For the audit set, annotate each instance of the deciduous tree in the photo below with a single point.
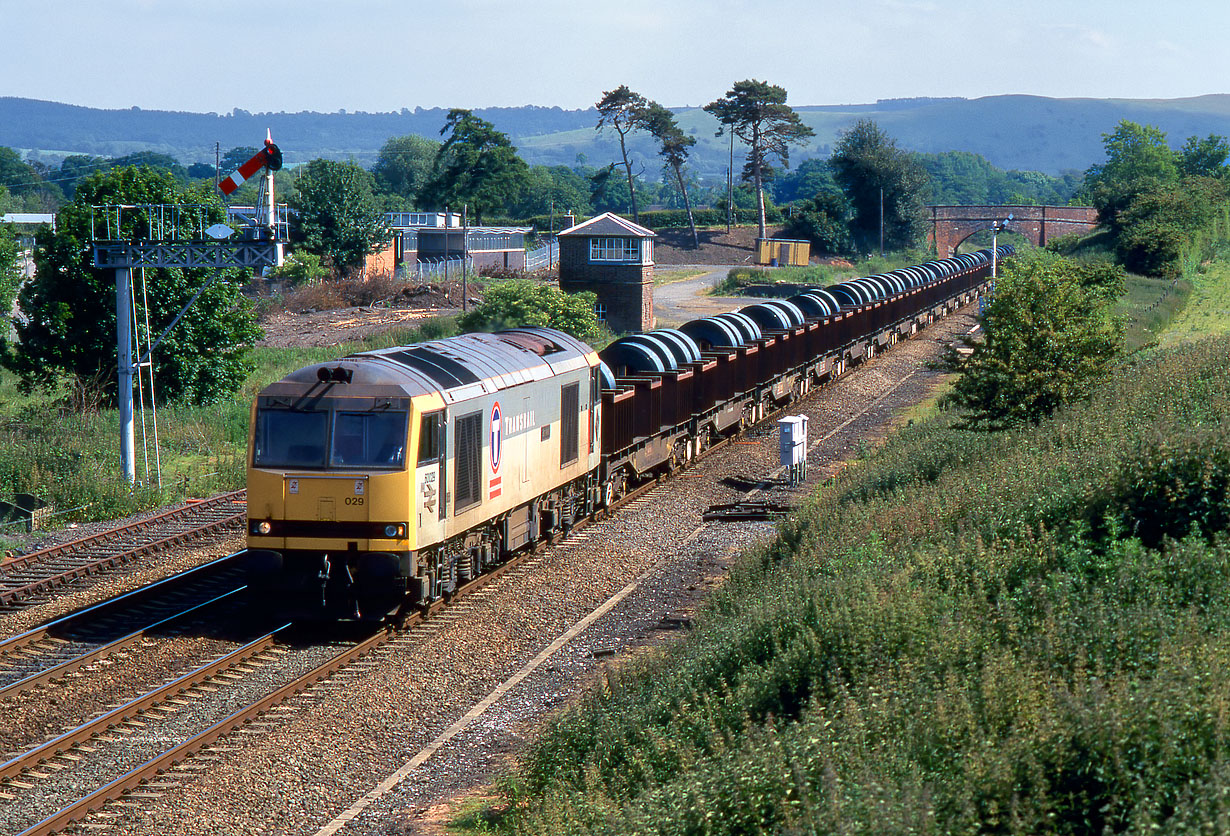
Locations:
(404, 167)
(69, 326)
(10, 275)
(1137, 160)
(1049, 335)
(757, 113)
(1204, 157)
(867, 164)
(625, 111)
(336, 214)
(825, 221)
(477, 166)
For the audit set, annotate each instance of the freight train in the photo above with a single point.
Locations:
(383, 480)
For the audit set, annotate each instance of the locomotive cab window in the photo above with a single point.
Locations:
(369, 439)
(429, 439)
(287, 438)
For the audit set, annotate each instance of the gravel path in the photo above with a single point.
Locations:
(677, 302)
(336, 744)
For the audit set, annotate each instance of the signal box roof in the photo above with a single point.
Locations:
(608, 223)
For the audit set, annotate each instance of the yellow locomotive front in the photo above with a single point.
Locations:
(386, 479)
(329, 518)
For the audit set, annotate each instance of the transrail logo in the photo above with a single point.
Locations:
(514, 424)
(497, 437)
(496, 446)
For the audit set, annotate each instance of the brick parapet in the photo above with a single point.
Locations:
(951, 225)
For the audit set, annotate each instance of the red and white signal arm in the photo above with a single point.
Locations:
(268, 157)
(497, 437)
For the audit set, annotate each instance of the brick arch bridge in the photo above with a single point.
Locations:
(951, 225)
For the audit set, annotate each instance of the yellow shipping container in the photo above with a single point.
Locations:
(781, 252)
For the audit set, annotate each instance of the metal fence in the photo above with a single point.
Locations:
(543, 257)
(436, 269)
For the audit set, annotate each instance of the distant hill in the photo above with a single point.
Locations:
(1013, 132)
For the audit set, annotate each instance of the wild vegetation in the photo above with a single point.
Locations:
(70, 458)
(66, 334)
(971, 631)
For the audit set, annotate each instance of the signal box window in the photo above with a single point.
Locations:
(615, 249)
(429, 439)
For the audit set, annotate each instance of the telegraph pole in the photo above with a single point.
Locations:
(730, 183)
(881, 223)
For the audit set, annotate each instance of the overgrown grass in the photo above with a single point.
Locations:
(969, 632)
(1148, 307)
(72, 460)
(1208, 312)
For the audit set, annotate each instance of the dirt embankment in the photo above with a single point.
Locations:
(717, 246)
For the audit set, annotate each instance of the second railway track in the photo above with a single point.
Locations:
(30, 577)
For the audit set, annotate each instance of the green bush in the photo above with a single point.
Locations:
(519, 302)
(1049, 336)
(1173, 487)
(945, 641)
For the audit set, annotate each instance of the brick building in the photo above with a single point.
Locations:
(613, 258)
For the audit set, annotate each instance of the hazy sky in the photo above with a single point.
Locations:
(382, 55)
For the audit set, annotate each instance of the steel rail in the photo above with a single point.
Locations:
(136, 777)
(101, 724)
(63, 669)
(139, 775)
(104, 536)
(158, 588)
(15, 594)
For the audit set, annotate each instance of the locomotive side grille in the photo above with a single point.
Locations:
(467, 459)
(570, 405)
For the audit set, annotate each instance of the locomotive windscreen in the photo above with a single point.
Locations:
(289, 438)
(369, 439)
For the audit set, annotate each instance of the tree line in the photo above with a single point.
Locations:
(869, 194)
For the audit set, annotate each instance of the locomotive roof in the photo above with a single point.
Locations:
(460, 367)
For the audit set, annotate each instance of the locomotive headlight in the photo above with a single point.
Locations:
(262, 527)
(392, 531)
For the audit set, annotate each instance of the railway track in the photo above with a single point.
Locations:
(49, 773)
(54, 650)
(149, 773)
(30, 577)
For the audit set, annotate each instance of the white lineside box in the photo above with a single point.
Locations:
(792, 446)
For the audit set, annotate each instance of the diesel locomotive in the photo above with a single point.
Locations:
(383, 480)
